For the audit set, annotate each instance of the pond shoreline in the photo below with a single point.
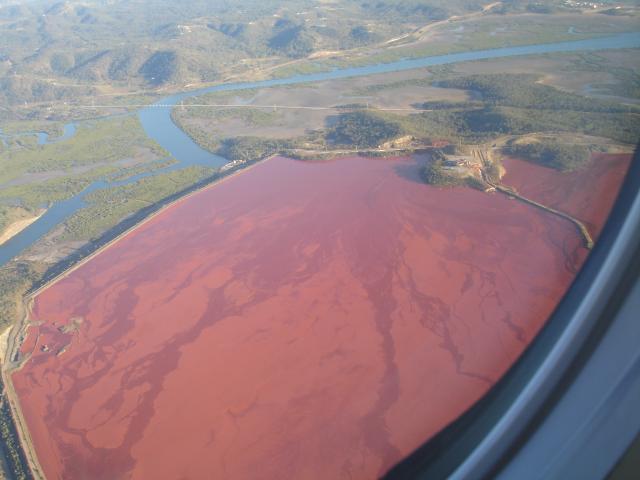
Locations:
(18, 332)
(129, 225)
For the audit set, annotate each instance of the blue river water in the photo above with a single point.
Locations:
(43, 138)
(157, 123)
(68, 132)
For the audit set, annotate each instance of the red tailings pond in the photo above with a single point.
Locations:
(299, 320)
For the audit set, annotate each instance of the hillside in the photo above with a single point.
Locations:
(56, 51)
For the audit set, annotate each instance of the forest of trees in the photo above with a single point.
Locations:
(291, 39)
(9, 442)
(250, 148)
(16, 279)
(521, 90)
(550, 153)
(160, 67)
(483, 124)
(363, 130)
(433, 171)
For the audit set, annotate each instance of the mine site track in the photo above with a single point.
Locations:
(419, 33)
(480, 154)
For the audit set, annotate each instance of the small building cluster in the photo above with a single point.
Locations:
(230, 165)
(462, 162)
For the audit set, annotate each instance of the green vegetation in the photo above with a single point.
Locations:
(206, 138)
(493, 170)
(145, 168)
(363, 129)
(291, 40)
(434, 172)
(16, 279)
(522, 91)
(493, 30)
(10, 214)
(16, 90)
(33, 176)
(134, 51)
(626, 79)
(255, 117)
(9, 442)
(251, 148)
(516, 105)
(109, 206)
(83, 48)
(35, 195)
(110, 212)
(55, 52)
(95, 143)
(53, 129)
(160, 68)
(362, 35)
(551, 153)
(36, 175)
(191, 118)
(621, 127)
(511, 104)
(475, 182)
(448, 105)
(484, 124)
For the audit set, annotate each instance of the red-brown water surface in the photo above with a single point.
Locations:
(586, 193)
(300, 320)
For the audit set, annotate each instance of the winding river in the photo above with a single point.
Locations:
(157, 123)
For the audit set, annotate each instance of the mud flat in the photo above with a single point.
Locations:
(17, 227)
(299, 320)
